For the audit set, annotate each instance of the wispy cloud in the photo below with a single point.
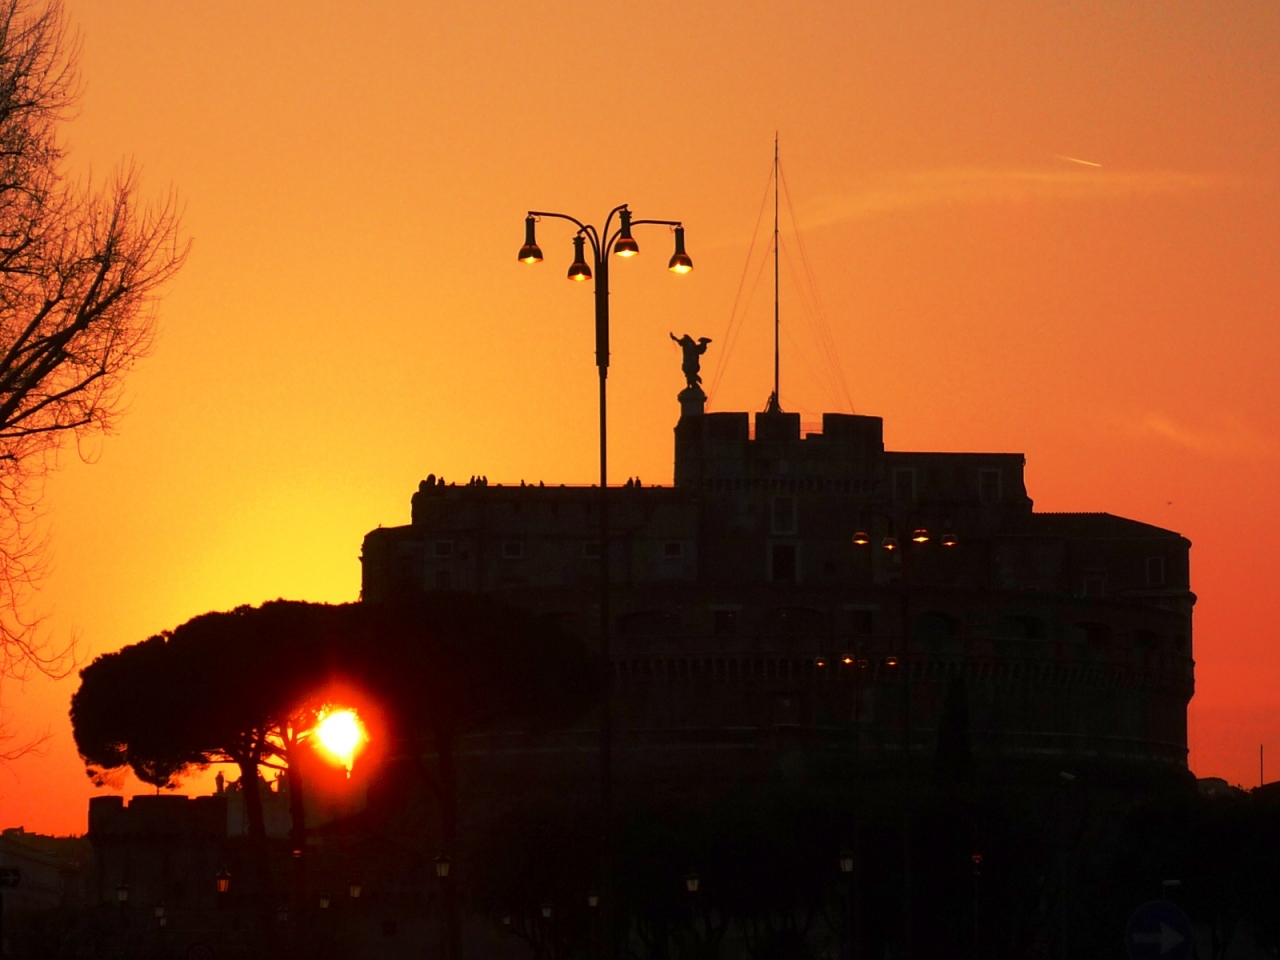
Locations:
(1231, 439)
(981, 185)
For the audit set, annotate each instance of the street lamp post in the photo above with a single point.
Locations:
(613, 240)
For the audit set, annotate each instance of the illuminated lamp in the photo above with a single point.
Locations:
(860, 539)
(626, 245)
(949, 539)
(579, 270)
(325, 899)
(890, 543)
(530, 252)
(593, 900)
(819, 662)
(691, 882)
(354, 889)
(890, 661)
(847, 660)
(442, 866)
(222, 880)
(920, 536)
(846, 862)
(680, 262)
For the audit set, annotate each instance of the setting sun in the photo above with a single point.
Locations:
(341, 734)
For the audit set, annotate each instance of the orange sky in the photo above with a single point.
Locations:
(352, 316)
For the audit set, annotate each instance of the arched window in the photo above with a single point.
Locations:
(1094, 634)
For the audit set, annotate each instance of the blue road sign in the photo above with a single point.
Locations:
(1159, 930)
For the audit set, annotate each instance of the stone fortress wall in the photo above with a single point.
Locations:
(746, 612)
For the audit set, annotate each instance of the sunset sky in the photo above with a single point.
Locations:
(352, 316)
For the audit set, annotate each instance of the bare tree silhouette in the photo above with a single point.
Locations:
(81, 264)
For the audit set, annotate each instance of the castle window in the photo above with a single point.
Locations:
(784, 515)
(1146, 639)
(444, 548)
(904, 486)
(782, 563)
(989, 486)
(1095, 634)
(1155, 571)
(673, 549)
(591, 550)
(726, 623)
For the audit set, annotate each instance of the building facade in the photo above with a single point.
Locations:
(820, 591)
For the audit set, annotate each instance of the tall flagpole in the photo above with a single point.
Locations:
(777, 395)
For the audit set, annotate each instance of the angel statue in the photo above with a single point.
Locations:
(692, 349)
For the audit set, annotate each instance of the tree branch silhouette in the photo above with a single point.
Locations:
(81, 265)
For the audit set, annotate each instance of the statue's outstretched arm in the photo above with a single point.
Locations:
(674, 337)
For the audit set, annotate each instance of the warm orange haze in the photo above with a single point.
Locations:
(1051, 229)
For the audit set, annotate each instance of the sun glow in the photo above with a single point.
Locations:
(341, 734)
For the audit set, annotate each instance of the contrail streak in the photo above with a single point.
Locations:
(1087, 163)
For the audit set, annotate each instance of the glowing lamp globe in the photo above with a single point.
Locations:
(579, 270)
(680, 261)
(626, 245)
(530, 252)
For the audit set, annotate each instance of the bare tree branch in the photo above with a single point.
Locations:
(81, 265)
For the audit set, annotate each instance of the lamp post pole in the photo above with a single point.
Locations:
(616, 241)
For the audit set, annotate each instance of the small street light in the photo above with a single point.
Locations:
(442, 866)
(122, 893)
(691, 882)
(354, 889)
(593, 900)
(324, 901)
(546, 911)
(222, 880)
(846, 862)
